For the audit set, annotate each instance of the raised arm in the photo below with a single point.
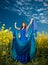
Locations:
(16, 26)
(29, 24)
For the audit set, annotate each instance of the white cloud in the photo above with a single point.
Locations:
(20, 13)
(27, 8)
(22, 0)
(41, 9)
(35, 14)
(43, 21)
(41, 14)
(31, 8)
(19, 3)
(23, 8)
(42, 17)
(45, 4)
(45, 12)
(25, 0)
(25, 13)
(17, 10)
(36, 18)
(39, 0)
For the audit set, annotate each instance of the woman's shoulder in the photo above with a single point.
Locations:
(22, 30)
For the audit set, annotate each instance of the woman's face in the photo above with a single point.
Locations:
(23, 24)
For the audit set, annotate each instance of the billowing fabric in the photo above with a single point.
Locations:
(23, 48)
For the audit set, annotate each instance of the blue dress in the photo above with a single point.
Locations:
(23, 35)
(23, 48)
(24, 57)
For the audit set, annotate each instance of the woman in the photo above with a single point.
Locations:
(22, 50)
(23, 30)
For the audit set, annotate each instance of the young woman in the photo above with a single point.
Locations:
(20, 50)
(23, 30)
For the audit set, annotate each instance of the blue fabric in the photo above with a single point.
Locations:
(23, 49)
(33, 42)
(22, 33)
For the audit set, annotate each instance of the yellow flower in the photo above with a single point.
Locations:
(0, 38)
(6, 30)
(3, 53)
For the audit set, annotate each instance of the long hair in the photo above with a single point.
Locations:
(24, 27)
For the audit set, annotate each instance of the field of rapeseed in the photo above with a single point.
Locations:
(41, 56)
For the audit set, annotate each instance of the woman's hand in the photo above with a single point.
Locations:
(30, 23)
(16, 26)
(15, 23)
(31, 20)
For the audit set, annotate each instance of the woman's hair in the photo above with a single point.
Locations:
(22, 26)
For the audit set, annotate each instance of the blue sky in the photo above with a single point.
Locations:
(22, 11)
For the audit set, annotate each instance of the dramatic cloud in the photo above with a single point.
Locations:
(41, 9)
(37, 8)
(43, 21)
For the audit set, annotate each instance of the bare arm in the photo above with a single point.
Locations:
(29, 24)
(16, 26)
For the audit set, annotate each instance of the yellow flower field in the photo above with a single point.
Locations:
(42, 39)
(6, 37)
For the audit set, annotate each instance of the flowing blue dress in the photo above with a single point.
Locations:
(23, 48)
(24, 57)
